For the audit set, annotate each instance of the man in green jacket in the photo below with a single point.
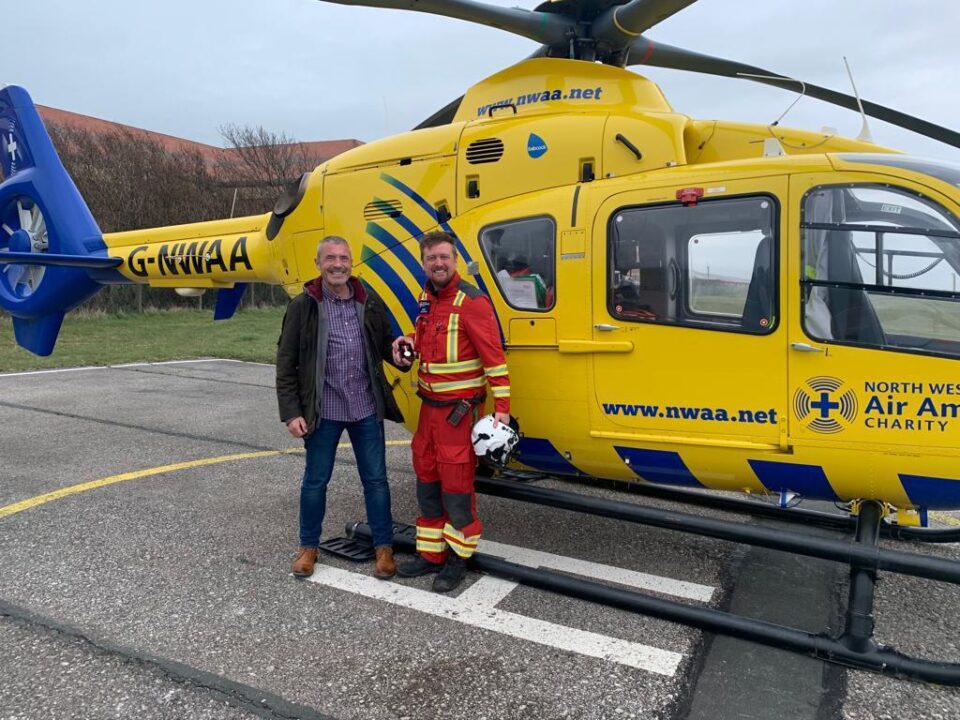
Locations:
(334, 339)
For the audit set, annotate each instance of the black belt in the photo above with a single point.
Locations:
(433, 402)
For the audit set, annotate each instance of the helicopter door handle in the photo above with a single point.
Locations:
(500, 106)
(621, 138)
(604, 327)
(804, 347)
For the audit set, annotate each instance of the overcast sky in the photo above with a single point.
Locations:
(315, 70)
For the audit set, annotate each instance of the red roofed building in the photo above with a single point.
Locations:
(214, 156)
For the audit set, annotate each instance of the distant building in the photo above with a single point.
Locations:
(254, 181)
(215, 157)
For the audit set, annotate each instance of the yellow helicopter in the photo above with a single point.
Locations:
(703, 304)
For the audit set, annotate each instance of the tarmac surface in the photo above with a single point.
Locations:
(148, 520)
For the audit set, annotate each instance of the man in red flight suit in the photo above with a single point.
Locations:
(458, 341)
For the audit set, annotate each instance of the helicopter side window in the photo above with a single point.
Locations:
(705, 266)
(881, 269)
(521, 257)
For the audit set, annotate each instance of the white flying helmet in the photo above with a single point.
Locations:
(494, 444)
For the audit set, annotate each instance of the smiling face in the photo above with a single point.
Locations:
(335, 264)
(440, 263)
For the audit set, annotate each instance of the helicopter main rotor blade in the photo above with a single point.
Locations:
(646, 52)
(547, 28)
(621, 25)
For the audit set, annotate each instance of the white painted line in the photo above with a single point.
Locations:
(487, 591)
(176, 362)
(620, 576)
(48, 372)
(469, 612)
(130, 365)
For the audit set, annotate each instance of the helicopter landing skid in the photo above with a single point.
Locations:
(855, 647)
(754, 508)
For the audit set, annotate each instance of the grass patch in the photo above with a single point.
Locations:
(100, 339)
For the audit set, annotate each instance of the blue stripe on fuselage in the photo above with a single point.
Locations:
(659, 466)
(396, 247)
(541, 454)
(412, 229)
(422, 202)
(810, 481)
(393, 281)
(932, 492)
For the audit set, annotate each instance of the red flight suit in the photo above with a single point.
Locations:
(459, 344)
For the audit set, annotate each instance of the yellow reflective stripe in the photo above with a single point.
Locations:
(462, 545)
(450, 386)
(431, 546)
(465, 553)
(495, 371)
(501, 391)
(453, 330)
(429, 533)
(449, 531)
(452, 368)
(460, 297)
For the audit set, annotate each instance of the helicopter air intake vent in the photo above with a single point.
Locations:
(380, 209)
(484, 151)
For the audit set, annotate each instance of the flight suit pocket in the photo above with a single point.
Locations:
(456, 465)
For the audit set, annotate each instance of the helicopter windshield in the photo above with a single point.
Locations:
(946, 171)
(881, 268)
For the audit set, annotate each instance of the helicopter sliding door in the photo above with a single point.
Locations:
(686, 320)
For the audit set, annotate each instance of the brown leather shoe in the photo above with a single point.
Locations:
(386, 567)
(303, 564)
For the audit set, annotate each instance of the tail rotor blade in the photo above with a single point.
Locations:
(646, 52)
(14, 274)
(26, 219)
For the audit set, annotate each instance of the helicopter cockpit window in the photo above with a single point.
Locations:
(521, 256)
(708, 266)
(881, 268)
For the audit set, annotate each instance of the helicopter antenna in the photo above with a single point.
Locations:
(865, 128)
(801, 83)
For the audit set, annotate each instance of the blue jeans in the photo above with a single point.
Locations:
(368, 442)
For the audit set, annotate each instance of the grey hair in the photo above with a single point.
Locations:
(332, 240)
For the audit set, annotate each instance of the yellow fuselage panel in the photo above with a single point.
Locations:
(550, 85)
(414, 146)
(713, 141)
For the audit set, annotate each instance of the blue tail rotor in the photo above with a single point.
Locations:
(23, 230)
(52, 254)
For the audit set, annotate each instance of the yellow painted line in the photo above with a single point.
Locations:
(946, 519)
(33, 502)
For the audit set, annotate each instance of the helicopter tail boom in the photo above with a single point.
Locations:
(225, 255)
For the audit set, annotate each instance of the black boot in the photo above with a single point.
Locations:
(417, 567)
(451, 575)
